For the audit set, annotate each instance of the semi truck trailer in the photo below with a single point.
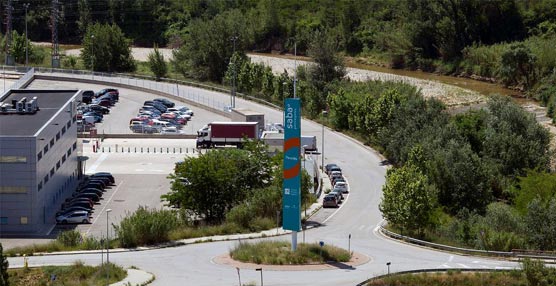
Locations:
(227, 133)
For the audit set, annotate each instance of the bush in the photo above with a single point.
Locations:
(146, 226)
(69, 238)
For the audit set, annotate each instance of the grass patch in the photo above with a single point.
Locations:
(77, 274)
(507, 278)
(279, 253)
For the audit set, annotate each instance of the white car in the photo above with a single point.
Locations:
(343, 186)
(74, 217)
(184, 109)
(169, 130)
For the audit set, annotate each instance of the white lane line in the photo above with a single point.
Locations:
(451, 258)
(105, 205)
(444, 266)
(361, 227)
(462, 265)
(335, 212)
(97, 163)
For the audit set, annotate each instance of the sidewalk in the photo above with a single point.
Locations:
(135, 277)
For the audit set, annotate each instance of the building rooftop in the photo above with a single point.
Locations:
(27, 124)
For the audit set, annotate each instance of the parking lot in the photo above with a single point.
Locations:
(141, 170)
(117, 122)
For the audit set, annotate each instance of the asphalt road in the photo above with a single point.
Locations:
(193, 264)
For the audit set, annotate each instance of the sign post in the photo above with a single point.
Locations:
(291, 190)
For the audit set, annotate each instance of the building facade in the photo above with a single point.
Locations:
(39, 158)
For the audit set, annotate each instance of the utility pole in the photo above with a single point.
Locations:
(233, 99)
(9, 57)
(55, 14)
(26, 5)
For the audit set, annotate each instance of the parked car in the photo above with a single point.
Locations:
(92, 196)
(103, 102)
(98, 108)
(87, 96)
(74, 217)
(169, 130)
(105, 180)
(334, 168)
(88, 189)
(343, 186)
(96, 117)
(165, 101)
(329, 201)
(328, 167)
(107, 90)
(338, 194)
(72, 209)
(81, 202)
(103, 174)
(337, 180)
(185, 109)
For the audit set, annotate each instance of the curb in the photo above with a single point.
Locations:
(135, 277)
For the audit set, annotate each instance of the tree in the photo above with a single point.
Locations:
(18, 47)
(157, 64)
(105, 48)
(219, 180)
(540, 222)
(408, 199)
(4, 276)
(518, 66)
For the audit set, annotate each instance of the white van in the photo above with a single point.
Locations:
(161, 124)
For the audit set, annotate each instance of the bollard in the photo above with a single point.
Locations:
(174, 150)
(160, 149)
(123, 149)
(108, 149)
(103, 149)
(154, 150)
(94, 149)
(134, 149)
(128, 150)
(167, 150)
(147, 149)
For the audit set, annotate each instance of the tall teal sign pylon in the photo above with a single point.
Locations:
(291, 190)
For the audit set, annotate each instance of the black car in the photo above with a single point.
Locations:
(94, 184)
(105, 180)
(87, 96)
(98, 108)
(113, 91)
(165, 101)
(103, 174)
(96, 191)
(329, 166)
(92, 196)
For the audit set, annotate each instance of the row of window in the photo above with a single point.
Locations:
(58, 136)
(22, 220)
(58, 165)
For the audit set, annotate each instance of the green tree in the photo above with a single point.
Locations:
(540, 222)
(4, 276)
(105, 48)
(536, 184)
(517, 66)
(157, 64)
(408, 199)
(18, 48)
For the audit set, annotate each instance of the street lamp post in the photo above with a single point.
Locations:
(261, 270)
(324, 114)
(107, 247)
(26, 5)
(93, 56)
(233, 99)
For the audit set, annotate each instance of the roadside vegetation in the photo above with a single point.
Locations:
(534, 273)
(279, 253)
(74, 275)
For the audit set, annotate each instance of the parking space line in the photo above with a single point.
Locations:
(97, 163)
(105, 205)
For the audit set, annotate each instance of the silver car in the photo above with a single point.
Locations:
(74, 217)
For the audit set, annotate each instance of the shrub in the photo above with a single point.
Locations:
(69, 238)
(146, 226)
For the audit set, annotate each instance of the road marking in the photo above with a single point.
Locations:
(105, 205)
(462, 265)
(334, 213)
(444, 266)
(361, 227)
(451, 258)
(97, 163)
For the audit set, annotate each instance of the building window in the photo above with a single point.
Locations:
(4, 220)
(74, 145)
(63, 159)
(46, 179)
(39, 186)
(45, 149)
(52, 172)
(63, 130)
(39, 156)
(23, 220)
(74, 118)
(58, 165)
(13, 159)
(51, 142)
(58, 136)
(69, 152)
(69, 124)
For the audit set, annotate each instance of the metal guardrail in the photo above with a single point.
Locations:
(515, 253)
(167, 86)
(431, 271)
